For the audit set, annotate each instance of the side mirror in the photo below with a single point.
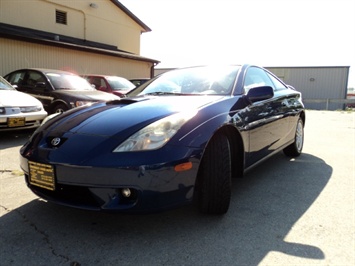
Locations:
(260, 93)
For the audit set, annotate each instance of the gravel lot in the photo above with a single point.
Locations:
(285, 212)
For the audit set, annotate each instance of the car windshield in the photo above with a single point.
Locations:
(118, 83)
(62, 81)
(192, 81)
(4, 85)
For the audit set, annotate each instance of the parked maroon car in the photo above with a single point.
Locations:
(112, 84)
(350, 96)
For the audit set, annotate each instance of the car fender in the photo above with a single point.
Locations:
(200, 135)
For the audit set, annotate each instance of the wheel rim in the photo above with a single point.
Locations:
(299, 136)
(60, 109)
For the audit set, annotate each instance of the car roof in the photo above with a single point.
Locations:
(101, 75)
(47, 70)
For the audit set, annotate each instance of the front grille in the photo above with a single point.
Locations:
(89, 198)
(69, 195)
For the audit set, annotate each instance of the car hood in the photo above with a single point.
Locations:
(88, 95)
(17, 99)
(89, 134)
(124, 117)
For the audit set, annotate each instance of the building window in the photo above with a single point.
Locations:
(61, 17)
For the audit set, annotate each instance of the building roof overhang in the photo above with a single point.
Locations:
(131, 15)
(52, 39)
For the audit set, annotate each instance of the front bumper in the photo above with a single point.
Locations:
(153, 187)
(32, 120)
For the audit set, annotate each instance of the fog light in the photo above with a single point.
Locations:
(126, 192)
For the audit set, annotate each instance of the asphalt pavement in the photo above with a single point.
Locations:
(284, 212)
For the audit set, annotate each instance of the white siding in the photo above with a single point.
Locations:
(18, 54)
(106, 24)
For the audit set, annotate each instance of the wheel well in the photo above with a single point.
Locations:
(55, 104)
(237, 149)
(237, 152)
(303, 117)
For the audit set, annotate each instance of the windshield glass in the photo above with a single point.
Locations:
(4, 85)
(68, 82)
(118, 83)
(192, 81)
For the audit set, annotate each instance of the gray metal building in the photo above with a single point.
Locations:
(323, 88)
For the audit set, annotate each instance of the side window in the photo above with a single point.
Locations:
(16, 78)
(33, 78)
(98, 82)
(256, 77)
(277, 84)
(102, 83)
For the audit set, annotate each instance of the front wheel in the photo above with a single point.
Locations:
(60, 108)
(214, 187)
(295, 149)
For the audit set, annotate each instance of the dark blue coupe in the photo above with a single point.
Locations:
(181, 136)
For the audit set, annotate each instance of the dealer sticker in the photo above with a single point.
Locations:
(41, 175)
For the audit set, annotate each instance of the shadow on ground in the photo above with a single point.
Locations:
(265, 205)
(9, 139)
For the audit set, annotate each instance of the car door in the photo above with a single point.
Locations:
(267, 121)
(36, 84)
(290, 101)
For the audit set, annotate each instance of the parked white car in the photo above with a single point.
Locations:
(18, 110)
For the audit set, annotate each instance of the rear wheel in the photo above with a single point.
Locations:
(214, 187)
(295, 149)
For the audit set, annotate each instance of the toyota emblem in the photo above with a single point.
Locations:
(55, 142)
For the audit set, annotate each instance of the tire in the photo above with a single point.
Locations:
(295, 149)
(214, 187)
(60, 108)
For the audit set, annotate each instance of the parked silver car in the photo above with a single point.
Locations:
(18, 110)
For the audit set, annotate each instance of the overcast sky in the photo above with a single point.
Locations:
(261, 32)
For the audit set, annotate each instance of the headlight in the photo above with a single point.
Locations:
(30, 109)
(155, 135)
(81, 103)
